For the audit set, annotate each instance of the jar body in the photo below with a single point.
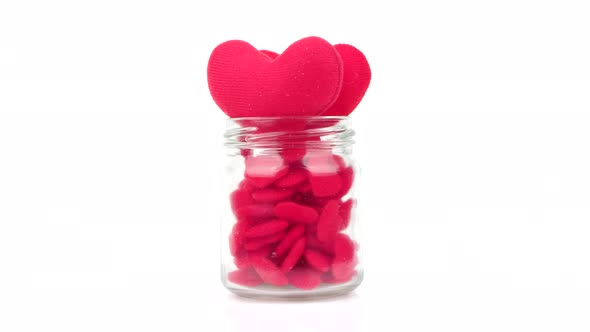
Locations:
(289, 224)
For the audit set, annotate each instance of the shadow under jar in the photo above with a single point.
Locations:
(289, 225)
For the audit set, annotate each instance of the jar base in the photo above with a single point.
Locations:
(294, 294)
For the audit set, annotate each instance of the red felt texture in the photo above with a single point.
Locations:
(314, 243)
(329, 222)
(296, 212)
(324, 176)
(305, 79)
(292, 179)
(347, 178)
(267, 228)
(303, 196)
(263, 170)
(329, 278)
(255, 211)
(268, 271)
(245, 185)
(344, 257)
(305, 188)
(245, 82)
(293, 155)
(317, 260)
(270, 54)
(247, 277)
(264, 251)
(325, 185)
(304, 278)
(345, 210)
(236, 238)
(322, 163)
(294, 233)
(357, 76)
(260, 242)
(294, 255)
(271, 195)
(241, 259)
(239, 198)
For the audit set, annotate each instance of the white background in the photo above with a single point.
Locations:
(473, 138)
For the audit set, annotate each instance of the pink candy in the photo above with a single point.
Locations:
(344, 259)
(272, 195)
(329, 222)
(260, 242)
(304, 278)
(345, 210)
(269, 272)
(246, 277)
(267, 228)
(294, 255)
(292, 235)
(317, 260)
(255, 211)
(293, 179)
(291, 217)
(296, 212)
(263, 170)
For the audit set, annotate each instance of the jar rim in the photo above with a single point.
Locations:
(293, 131)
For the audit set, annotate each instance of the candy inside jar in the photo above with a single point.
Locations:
(289, 228)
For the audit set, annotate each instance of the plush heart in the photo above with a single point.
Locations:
(357, 76)
(270, 54)
(304, 80)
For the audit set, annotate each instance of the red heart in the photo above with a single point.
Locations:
(357, 76)
(270, 54)
(304, 80)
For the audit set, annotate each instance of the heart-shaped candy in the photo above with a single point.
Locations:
(304, 80)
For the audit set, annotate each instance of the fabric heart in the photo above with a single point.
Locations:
(270, 54)
(305, 79)
(357, 76)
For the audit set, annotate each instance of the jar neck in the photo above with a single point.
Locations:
(310, 132)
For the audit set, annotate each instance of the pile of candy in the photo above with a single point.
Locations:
(289, 222)
(292, 208)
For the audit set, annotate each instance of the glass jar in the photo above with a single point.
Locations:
(289, 224)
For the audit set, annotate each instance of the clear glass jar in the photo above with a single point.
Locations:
(289, 224)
